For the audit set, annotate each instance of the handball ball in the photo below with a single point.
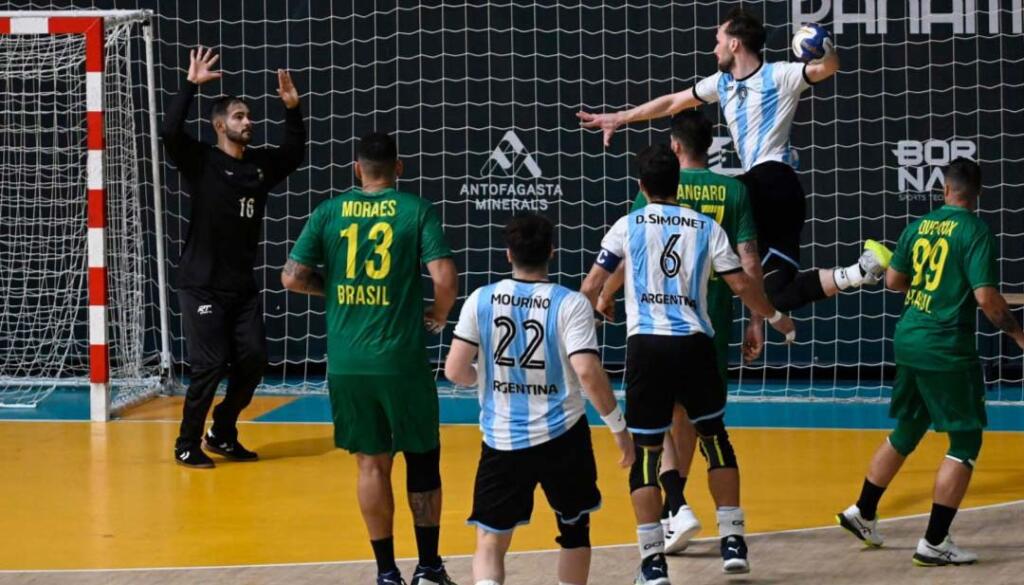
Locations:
(811, 42)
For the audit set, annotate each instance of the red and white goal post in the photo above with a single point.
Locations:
(85, 302)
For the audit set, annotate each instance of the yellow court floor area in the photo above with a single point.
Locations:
(79, 495)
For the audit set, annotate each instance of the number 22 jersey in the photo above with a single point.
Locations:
(527, 331)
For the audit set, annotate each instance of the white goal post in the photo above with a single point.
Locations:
(68, 136)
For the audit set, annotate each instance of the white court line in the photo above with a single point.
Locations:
(447, 557)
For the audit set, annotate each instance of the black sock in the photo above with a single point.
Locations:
(938, 524)
(426, 544)
(868, 502)
(672, 483)
(384, 552)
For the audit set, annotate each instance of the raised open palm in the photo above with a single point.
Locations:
(200, 67)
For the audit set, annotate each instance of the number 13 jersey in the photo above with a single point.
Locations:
(527, 331)
(669, 252)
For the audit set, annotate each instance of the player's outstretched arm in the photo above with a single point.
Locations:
(752, 294)
(665, 105)
(458, 366)
(998, 312)
(446, 288)
(302, 279)
(595, 384)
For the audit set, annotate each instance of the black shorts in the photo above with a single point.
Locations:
(505, 481)
(662, 370)
(777, 200)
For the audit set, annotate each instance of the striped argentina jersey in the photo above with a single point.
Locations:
(669, 252)
(526, 331)
(758, 109)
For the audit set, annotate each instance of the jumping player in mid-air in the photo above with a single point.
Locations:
(758, 101)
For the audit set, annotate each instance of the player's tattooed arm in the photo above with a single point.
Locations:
(303, 279)
(993, 304)
(751, 259)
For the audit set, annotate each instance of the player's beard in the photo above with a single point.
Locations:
(725, 64)
(243, 137)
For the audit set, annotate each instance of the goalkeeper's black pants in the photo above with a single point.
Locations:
(225, 338)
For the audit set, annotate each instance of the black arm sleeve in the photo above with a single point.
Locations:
(185, 151)
(287, 157)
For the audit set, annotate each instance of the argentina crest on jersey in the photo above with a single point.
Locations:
(528, 391)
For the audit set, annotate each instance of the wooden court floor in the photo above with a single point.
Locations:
(82, 496)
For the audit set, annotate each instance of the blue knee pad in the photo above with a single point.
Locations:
(964, 446)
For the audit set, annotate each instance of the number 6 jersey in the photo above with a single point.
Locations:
(669, 252)
(526, 331)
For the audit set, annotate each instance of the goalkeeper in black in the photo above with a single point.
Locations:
(222, 317)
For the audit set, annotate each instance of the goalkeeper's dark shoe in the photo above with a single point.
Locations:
(431, 576)
(192, 456)
(228, 449)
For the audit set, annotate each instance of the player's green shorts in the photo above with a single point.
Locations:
(720, 312)
(385, 413)
(952, 401)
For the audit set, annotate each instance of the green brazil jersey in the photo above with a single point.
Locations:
(723, 199)
(947, 254)
(370, 246)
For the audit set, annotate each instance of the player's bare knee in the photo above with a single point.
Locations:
(715, 446)
(374, 465)
(574, 534)
(423, 471)
(646, 464)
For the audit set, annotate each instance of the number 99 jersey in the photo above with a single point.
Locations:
(526, 331)
(669, 252)
(947, 254)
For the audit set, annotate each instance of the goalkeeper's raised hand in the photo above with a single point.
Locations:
(200, 67)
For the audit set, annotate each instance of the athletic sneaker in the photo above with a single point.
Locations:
(679, 529)
(229, 449)
(946, 553)
(193, 457)
(431, 576)
(874, 261)
(866, 530)
(392, 577)
(734, 555)
(653, 571)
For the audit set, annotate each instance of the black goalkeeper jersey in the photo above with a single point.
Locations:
(228, 197)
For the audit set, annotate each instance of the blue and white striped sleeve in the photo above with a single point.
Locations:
(467, 329)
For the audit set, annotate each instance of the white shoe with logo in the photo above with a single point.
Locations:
(680, 528)
(944, 554)
(866, 530)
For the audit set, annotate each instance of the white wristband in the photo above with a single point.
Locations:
(615, 421)
(775, 318)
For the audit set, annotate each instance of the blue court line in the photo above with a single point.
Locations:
(809, 415)
(463, 409)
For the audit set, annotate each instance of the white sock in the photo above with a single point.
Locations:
(487, 582)
(849, 277)
(651, 539)
(730, 521)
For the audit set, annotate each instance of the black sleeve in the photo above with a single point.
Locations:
(284, 159)
(185, 151)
